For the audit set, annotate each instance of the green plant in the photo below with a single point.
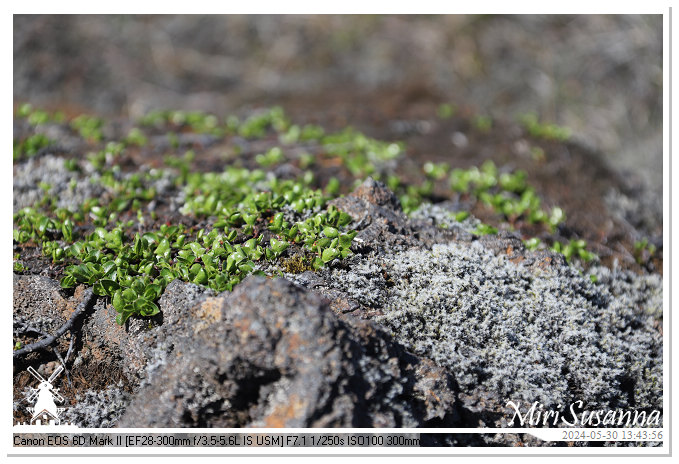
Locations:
(271, 157)
(297, 134)
(37, 117)
(573, 249)
(446, 110)
(485, 229)
(507, 193)
(242, 221)
(112, 264)
(461, 216)
(542, 130)
(643, 251)
(136, 299)
(361, 155)
(532, 244)
(257, 124)
(483, 123)
(436, 171)
(196, 121)
(89, 127)
(136, 137)
(30, 146)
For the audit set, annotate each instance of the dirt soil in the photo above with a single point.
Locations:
(386, 75)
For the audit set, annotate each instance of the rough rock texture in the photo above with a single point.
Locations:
(40, 309)
(97, 408)
(383, 229)
(276, 356)
(424, 326)
(377, 212)
(37, 302)
(522, 325)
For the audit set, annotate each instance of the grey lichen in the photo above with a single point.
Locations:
(441, 216)
(527, 334)
(97, 408)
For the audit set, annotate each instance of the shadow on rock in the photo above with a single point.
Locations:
(278, 357)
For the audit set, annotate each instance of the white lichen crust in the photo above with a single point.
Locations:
(526, 334)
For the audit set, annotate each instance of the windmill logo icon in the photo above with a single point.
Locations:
(45, 410)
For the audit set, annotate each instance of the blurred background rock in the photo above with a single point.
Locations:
(599, 75)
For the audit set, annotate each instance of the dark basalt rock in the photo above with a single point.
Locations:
(378, 216)
(276, 356)
(381, 223)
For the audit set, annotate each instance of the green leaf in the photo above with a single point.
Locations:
(138, 286)
(194, 269)
(345, 240)
(186, 256)
(67, 230)
(278, 246)
(137, 247)
(246, 267)
(163, 248)
(147, 268)
(196, 248)
(201, 277)
(75, 249)
(57, 255)
(118, 301)
(105, 287)
(80, 273)
(330, 232)
(317, 263)
(183, 272)
(68, 281)
(292, 233)
(123, 316)
(152, 292)
(557, 216)
(239, 255)
(344, 219)
(146, 307)
(114, 239)
(129, 295)
(250, 219)
(329, 254)
(179, 243)
(249, 246)
(532, 243)
(323, 243)
(43, 224)
(277, 223)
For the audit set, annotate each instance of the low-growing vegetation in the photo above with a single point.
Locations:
(543, 130)
(30, 146)
(239, 221)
